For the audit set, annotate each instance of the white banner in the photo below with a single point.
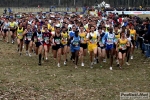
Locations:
(129, 12)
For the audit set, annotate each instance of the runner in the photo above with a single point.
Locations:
(128, 47)
(12, 27)
(117, 36)
(83, 44)
(64, 42)
(20, 32)
(92, 45)
(5, 28)
(38, 39)
(71, 34)
(110, 39)
(101, 45)
(28, 39)
(133, 37)
(46, 44)
(75, 47)
(57, 46)
(122, 47)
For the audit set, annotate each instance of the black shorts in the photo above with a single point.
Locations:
(27, 41)
(5, 30)
(68, 43)
(114, 46)
(62, 46)
(102, 47)
(84, 46)
(122, 51)
(38, 44)
(56, 47)
(13, 30)
(133, 42)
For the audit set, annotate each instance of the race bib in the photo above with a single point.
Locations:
(82, 40)
(93, 41)
(46, 40)
(132, 35)
(40, 39)
(123, 46)
(35, 39)
(116, 39)
(76, 43)
(57, 41)
(20, 36)
(29, 38)
(101, 44)
(110, 40)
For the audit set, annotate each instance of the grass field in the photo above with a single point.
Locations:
(22, 79)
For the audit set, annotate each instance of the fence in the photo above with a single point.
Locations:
(36, 9)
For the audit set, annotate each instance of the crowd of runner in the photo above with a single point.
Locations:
(99, 38)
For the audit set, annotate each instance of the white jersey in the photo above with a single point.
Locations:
(129, 39)
(6, 25)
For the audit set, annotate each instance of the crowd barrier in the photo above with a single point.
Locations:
(44, 9)
(129, 12)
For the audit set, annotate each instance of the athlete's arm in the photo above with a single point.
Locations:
(128, 44)
(52, 40)
(25, 32)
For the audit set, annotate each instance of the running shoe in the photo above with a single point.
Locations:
(39, 64)
(104, 60)
(95, 62)
(76, 66)
(91, 66)
(58, 65)
(131, 57)
(30, 55)
(65, 63)
(127, 64)
(82, 64)
(110, 68)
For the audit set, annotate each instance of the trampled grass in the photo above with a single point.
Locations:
(22, 79)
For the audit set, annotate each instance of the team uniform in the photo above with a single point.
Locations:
(92, 44)
(83, 43)
(122, 45)
(38, 38)
(12, 26)
(101, 42)
(46, 38)
(57, 41)
(5, 27)
(110, 39)
(75, 44)
(28, 36)
(64, 39)
(20, 33)
(133, 36)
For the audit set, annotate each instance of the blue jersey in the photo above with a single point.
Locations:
(102, 39)
(29, 35)
(75, 44)
(71, 34)
(109, 38)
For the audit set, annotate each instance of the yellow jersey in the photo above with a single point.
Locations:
(93, 39)
(133, 33)
(83, 37)
(64, 39)
(117, 36)
(122, 44)
(20, 33)
(12, 24)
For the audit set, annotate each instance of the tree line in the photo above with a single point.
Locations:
(71, 3)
